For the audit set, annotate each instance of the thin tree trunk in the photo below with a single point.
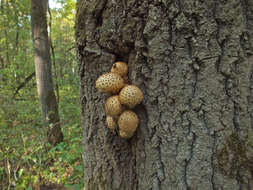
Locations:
(17, 35)
(5, 25)
(194, 62)
(1, 60)
(53, 56)
(46, 94)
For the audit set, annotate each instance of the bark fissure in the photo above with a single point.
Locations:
(236, 119)
(193, 139)
(213, 160)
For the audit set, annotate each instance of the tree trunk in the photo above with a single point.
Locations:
(46, 94)
(194, 62)
(5, 29)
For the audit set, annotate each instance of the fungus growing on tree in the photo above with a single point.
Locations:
(113, 106)
(110, 82)
(130, 96)
(119, 68)
(128, 121)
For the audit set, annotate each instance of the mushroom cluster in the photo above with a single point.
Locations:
(124, 98)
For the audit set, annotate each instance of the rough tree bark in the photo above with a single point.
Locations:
(193, 60)
(42, 62)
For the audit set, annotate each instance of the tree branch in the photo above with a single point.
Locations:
(27, 79)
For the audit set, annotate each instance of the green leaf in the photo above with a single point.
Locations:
(77, 187)
(79, 167)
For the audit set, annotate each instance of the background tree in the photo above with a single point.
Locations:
(42, 62)
(26, 159)
(193, 60)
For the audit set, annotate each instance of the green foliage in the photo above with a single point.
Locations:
(27, 161)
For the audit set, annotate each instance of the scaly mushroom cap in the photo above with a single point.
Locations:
(120, 68)
(125, 135)
(128, 121)
(130, 96)
(110, 82)
(110, 122)
(113, 106)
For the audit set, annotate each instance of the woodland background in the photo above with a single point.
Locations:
(27, 161)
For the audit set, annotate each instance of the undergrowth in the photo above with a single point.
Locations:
(27, 161)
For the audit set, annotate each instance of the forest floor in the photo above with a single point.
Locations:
(27, 161)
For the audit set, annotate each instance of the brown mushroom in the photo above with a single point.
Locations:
(125, 135)
(130, 96)
(128, 121)
(113, 106)
(110, 122)
(120, 68)
(110, 82)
